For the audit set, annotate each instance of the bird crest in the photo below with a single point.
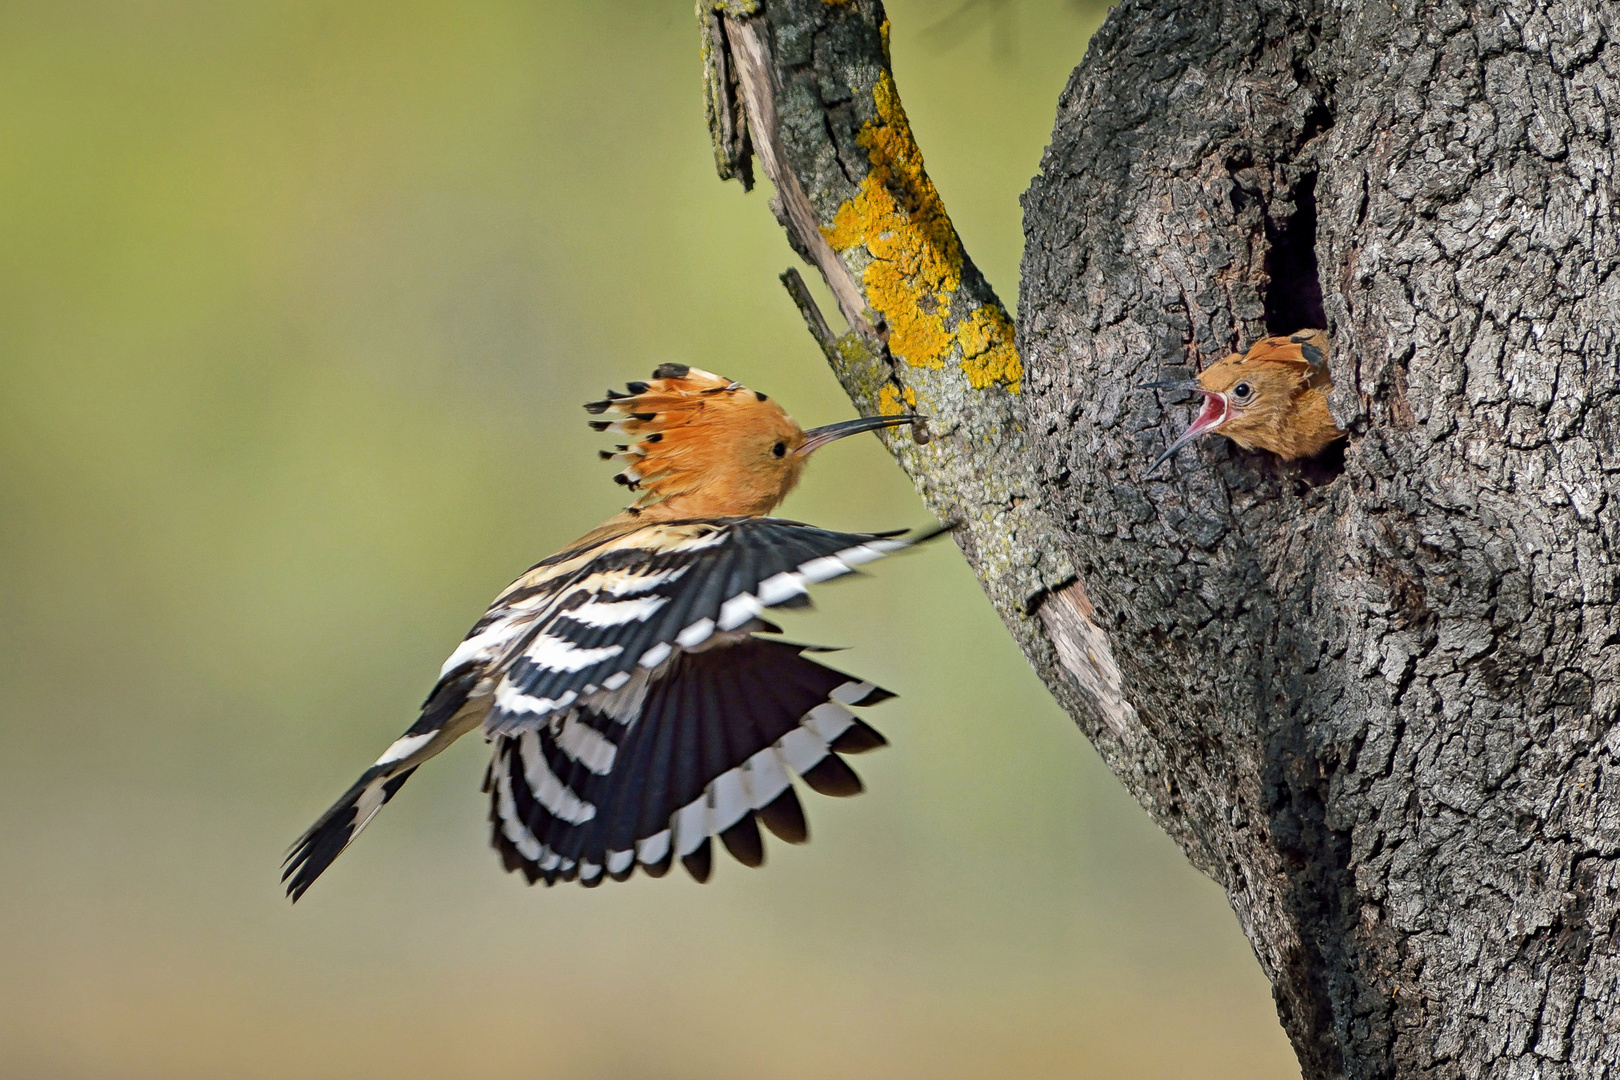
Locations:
(698, 438)
(705, 445)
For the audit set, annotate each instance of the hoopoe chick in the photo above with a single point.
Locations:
(633, 711)
(1274, 397)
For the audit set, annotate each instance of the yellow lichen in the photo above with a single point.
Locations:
(990, 349)
(889, 399)
(915, 263)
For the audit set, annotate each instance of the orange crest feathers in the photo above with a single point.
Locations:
(1307, 350)
(699, 439)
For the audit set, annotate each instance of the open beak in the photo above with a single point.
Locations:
(1216, 412)
(816, 438)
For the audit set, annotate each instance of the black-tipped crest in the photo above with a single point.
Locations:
(679, 423)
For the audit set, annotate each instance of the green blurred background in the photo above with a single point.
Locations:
(298, 303)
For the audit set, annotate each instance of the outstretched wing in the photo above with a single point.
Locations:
(630, 603)
(706, 745)
(643, 716)
(583, 645)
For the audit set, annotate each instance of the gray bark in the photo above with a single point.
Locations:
(1373, 696)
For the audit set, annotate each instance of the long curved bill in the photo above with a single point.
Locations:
(816, 438)
(1214, 414)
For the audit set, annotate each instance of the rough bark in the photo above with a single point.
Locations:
(1373, 696)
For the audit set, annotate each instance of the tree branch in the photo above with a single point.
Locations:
(927, 332)
(814, 320)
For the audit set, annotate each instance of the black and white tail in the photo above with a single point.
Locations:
(453, 708)
(327, 838)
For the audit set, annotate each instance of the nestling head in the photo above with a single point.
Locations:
(705, 446)
(1272, 398)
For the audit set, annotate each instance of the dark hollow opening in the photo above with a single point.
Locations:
(1294, 296)
(1322, 469)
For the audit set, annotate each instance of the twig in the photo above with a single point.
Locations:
(813, 318)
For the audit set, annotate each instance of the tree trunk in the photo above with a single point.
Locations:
(1372, 695)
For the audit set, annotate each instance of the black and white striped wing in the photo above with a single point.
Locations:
(708, 745)
(629, 604)
(644, 716)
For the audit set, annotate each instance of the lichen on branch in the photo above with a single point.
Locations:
(896, 225)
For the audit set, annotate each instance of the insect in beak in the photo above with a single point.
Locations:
(1217, 410)
(816, 438)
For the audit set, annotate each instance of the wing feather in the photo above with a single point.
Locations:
(708, 752)
(691, 578)
(634, 715)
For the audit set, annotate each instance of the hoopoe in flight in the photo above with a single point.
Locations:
(1273, 398)
(633, 710)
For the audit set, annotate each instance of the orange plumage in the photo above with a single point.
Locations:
(704, 446)
(1274, 398)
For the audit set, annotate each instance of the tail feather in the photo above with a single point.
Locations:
(450, 711)
(337, 828)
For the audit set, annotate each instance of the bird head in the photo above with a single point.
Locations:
(705, 446)
(1273, 398)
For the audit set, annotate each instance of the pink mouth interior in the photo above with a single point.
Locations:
(1213, 415)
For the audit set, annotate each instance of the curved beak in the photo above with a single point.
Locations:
(816, 438)
(1216, 411)
(1171, 384)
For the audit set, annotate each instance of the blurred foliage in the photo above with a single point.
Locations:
(298, 302)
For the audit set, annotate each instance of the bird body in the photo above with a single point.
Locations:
(1274, 398)
(633, 710)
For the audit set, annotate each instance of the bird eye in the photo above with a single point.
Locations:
(779, 449)
(1243, 391)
